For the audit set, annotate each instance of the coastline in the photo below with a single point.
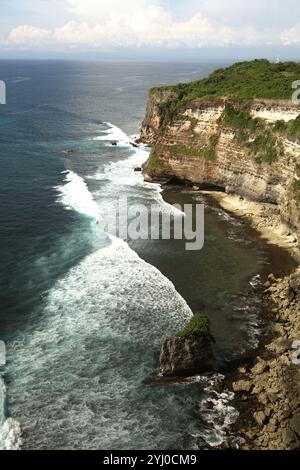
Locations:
(267, 393)
(261, 216)
(269, 414)
(221, 143)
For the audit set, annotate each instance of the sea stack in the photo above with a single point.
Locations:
(190, 352)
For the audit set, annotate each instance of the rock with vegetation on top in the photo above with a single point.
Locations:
(232, 131)
(190, 352)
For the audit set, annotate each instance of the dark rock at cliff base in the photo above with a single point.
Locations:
(138, 169)
(186, 356)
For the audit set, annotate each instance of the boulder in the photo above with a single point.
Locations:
(272, 278)
(181, 356)
(260, 367)
(260, 417)
(242, 386)
(291, 294)
(295, 424)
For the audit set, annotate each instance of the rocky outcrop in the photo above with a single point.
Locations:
(273, 383)
(186, 356)
(157, 108)
(195, 143)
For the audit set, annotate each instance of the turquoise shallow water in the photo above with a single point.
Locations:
(82, 312)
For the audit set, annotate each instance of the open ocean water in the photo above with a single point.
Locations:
(82, 312)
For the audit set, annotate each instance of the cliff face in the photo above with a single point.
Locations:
(203, 143)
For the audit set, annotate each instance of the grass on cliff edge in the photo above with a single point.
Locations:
(253, 79)
(265, 145)
(154, 163)
(198, 327)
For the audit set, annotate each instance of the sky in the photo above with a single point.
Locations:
(149, 29)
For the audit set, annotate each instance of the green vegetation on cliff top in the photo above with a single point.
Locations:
(258, 137)
(254, 79)
(241, 83)
(198, 327)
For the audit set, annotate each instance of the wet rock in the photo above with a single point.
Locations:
(295, 424)
(242, 386)
(137, 169)
(288, 438)
(260, 418)
(291, 294)
(280, 346)
(272, 278)
(184, 357)
(260, 368)
(218, 385)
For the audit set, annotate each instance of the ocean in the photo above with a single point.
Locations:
(83, 313)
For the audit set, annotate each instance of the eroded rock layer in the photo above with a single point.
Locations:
(196, 143)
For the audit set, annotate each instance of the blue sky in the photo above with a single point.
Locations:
(149, 28)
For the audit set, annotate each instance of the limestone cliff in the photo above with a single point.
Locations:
(236, 145)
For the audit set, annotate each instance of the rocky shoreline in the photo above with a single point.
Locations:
(219, 144)
(268, 392)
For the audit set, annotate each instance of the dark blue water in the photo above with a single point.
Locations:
(82, 314)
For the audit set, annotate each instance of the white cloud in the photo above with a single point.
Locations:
(26, 35)
(128, 23)
(103, 10)
(291, 36)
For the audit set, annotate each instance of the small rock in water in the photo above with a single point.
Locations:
(182, 356)
(218, 385)
(272, 278)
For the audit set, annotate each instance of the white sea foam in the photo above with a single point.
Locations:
(74, 194)
(2, 400)
(10, 429)
(114, 133)
(217, 415)
(120, 175)
(20, 79)
(96, 338)
(10, 435)
(94, 343)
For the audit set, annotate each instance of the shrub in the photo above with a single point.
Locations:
(290, 129)
(198, 327)
(243, 80)
(154, 163)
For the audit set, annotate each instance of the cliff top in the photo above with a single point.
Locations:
(258, 79)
